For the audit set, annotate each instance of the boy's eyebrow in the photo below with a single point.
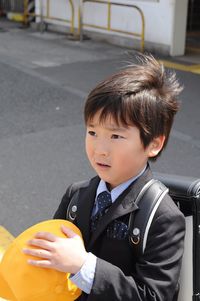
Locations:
(110, 128)
(115, 128)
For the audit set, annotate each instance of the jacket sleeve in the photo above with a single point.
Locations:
(157, 271)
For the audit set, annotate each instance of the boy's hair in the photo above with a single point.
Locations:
(143, 95)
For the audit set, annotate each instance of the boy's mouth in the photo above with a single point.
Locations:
(102, 164)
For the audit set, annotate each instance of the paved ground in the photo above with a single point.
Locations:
(44, 80)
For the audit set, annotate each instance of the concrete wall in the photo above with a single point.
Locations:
(165, 22)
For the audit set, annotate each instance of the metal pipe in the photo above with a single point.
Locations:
(48, 10)
(115, 30)
(142, 35)
(41, 17)
(80, 20)
(72, 17)
(26, 12)
(47, 15)
(109, 15)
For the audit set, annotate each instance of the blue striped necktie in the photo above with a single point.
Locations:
(103, 203)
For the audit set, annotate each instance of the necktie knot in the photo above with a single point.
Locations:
(103, 203)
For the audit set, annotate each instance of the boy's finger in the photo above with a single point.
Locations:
(44, 244)
(68, 232)
(40, 263)
(41, 253)
(45, 235)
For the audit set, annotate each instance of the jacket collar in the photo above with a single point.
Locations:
(123, 205)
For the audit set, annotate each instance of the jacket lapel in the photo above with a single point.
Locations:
(85, 206)
(124, 204)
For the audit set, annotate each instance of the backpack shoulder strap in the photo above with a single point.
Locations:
(140, 221)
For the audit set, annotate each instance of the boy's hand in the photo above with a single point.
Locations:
(62, 254)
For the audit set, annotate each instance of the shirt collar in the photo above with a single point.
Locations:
(115, 192)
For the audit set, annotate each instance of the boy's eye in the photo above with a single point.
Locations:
(115, 136)
(91, 133)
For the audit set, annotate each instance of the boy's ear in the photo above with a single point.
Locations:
(156, 145)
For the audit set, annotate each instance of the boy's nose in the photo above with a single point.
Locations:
(101, 148)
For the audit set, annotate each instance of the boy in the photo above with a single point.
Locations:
(128, 119)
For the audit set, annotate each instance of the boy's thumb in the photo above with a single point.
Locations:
(68, 232)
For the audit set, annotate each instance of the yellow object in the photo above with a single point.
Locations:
(15, 17)
(45, 17)
(182, 67)
(5, 240)
(20, 281)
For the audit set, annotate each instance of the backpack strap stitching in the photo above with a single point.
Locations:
(151, 218)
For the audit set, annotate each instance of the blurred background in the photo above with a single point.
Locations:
(52, 53)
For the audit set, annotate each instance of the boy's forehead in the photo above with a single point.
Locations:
(108, 121)
(100, 119)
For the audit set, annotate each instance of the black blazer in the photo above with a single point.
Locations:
(118, 276)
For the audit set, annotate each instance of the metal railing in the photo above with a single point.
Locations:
(24, 6)
(12, 5)
(44, 18)
(108, 27)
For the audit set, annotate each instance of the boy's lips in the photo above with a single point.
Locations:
(102, 164)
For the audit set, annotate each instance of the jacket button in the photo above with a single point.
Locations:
(74, 208)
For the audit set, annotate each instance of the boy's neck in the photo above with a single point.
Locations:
(129, 181)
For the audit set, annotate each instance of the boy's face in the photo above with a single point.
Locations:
(115, 152)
